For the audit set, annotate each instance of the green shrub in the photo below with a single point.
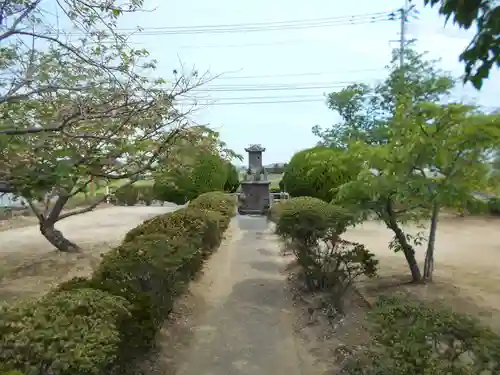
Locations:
(232, 178)
(216, 201)
(146, 272)
(145, 194)
(411, 338)
(328, 262)
(274, 189)
(281, 185)
(66, 333)
(127, 195)
(274, 212)
(166, 191)
(75, 283)
(494, 206)
(474, 206)
(318, 172)
(307, 219)
(199, 225)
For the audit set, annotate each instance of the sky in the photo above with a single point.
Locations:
(326, 57)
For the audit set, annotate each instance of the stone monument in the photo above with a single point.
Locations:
(255, 195)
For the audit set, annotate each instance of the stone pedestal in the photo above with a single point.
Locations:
(254, 197)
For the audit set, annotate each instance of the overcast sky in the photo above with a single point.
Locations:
(325, 57)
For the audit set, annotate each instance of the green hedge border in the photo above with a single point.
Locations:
(101, 324)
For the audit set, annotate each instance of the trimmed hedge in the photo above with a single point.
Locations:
(66, 333)
(199, 225)
(216, 201)
(99, 325)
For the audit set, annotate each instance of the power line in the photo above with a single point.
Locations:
(259, 27)
(308, 74)
(262, 102)
(270, 23)
(304, 96)
(235, 88)
(261, 24)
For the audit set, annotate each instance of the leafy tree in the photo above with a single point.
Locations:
(79, 112)
(365, 111)
(483, 52)
(30, 39)
(196, 165)
(232, 178)
(317, 172)
(448, 154)
(434, 158)
(417, 155)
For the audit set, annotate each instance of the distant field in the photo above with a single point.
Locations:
(274, 178)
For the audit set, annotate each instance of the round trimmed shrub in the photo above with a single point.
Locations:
(318, 172)
(66, 333)
(307, 219)
(304, 219)
(215, 201)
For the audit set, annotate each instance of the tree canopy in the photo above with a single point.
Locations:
(483, 52)
(418, 154)
(75, 110)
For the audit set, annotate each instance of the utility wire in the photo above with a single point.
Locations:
(259, 27)
(260, 102)
(260, 24)
(270, 23)
(273, 88)
(308, 74)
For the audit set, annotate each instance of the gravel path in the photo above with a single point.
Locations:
(246, 326)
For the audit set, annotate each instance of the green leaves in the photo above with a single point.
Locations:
(318, 172)
(483, 52)
(414, 338)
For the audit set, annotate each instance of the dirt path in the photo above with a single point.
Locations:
(242, 321)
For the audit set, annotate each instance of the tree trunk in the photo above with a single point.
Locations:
(56, 238)
(407, 248)
(429, 255)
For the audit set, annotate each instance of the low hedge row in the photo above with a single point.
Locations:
(96, 326)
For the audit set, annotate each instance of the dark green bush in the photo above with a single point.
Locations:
(197, 224)
(66, 333)
(232, 178)
(474, 206)
(166, 191)
(494, 206)
(318, 172)
(146, 272)
(412, 338)
(145, 194)
(281, 184)
(127, 195)
(274, 189)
